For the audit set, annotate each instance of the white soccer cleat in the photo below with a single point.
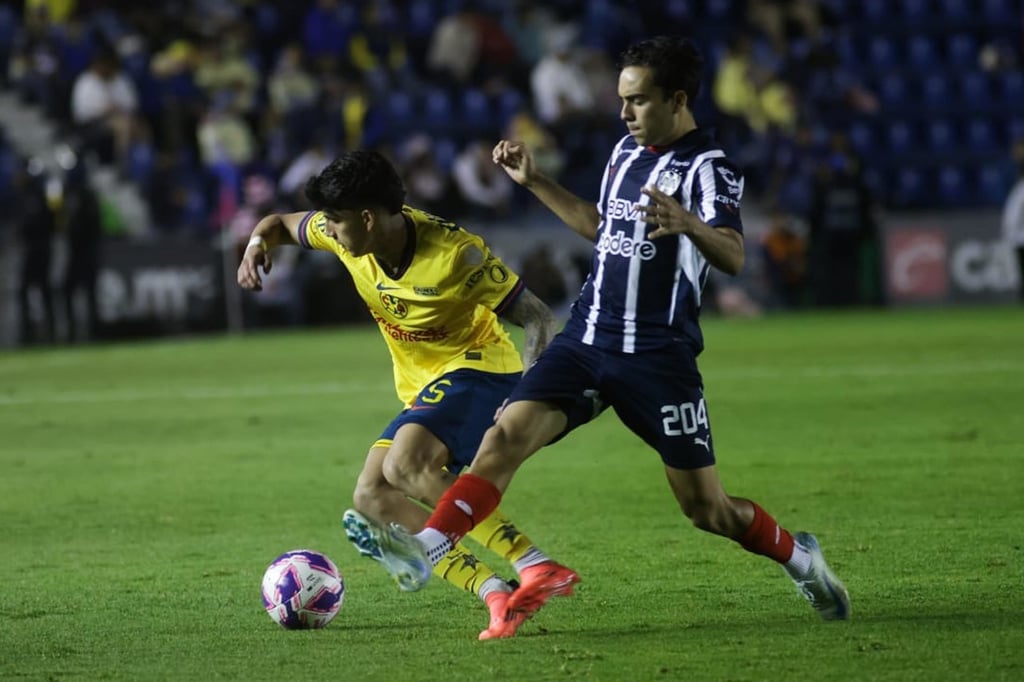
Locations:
(819, 585)
(397, 549)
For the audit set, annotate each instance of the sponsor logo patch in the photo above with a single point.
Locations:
(619, 244)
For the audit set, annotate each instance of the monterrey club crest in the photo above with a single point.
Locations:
(669, 181)
(733, 184)
(394, 305)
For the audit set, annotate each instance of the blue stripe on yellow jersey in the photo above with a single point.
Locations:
(440, 313)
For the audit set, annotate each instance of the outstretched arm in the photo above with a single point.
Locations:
(517, 161)
(537, 320)
(272, 230)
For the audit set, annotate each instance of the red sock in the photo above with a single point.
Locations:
(766, 537)
(468, 502)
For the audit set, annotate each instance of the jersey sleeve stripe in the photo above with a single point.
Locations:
(303, 226)
(708, 188)
(510, 298)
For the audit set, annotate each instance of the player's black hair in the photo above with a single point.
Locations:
(355, 181)
(675, 62)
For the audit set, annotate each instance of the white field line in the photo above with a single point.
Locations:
(269, 390)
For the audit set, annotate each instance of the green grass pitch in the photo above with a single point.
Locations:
(145, 487)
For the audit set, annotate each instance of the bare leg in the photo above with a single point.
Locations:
(377, 498)
(522, 429)
(704, 501)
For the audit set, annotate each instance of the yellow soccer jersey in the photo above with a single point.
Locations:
(440, 313)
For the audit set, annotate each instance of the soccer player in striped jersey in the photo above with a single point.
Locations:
(436, 292)
(669, 210)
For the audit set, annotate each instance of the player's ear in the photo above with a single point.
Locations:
(369, 218)
(680, 100)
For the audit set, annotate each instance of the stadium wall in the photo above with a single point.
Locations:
(148, 289)
(948, 258)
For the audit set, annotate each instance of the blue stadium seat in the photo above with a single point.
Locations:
(820, 135)
(1015, 127)
(862, 137)
(953, 186)
(882, 52)
(8, 25)
(916, 11)
(679, 10)
(936, 91)
(141, 162)
(510, 101)
(994, 184)
(445, 151)
(941, 135)
(975, 91)
(476, 114)
(875, 11)
(266, 18)
(421, 17)
(438, 111)
(999, 12)
(910, 187)
(900, 136)
(962, 50)
(892, 90)
(1011, 86)
(136, 66)
(956, 9)
(719, 10)
(847, 49)
(399, 112)
(874, 178)
(922, 51)
(981, 135)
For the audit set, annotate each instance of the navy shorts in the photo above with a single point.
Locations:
(658, 394)
(458, 408)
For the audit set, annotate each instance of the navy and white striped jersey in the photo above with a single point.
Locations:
(640, 293)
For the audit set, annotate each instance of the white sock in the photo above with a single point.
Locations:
(532, 557)
(436, 542)
(799, 563)
(492, 584)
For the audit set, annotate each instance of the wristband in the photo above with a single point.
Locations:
(258, 241)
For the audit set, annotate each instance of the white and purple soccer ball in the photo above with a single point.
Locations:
(302, 589)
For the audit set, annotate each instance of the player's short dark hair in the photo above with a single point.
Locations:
(355, 181)
(675, 62)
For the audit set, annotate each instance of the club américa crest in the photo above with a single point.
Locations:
(394, 305)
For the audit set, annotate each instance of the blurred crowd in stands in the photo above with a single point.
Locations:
(220, 109)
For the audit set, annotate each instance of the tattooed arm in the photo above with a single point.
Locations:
(536, 318)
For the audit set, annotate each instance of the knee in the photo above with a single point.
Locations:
(363, 497)
(403, 469)
(501, 443)
(368, 495)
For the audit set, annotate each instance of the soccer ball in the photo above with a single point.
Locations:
(302, 589)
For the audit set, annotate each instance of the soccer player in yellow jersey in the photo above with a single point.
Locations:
(436, 292)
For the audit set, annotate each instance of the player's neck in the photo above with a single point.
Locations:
(392, 247)
(685, 127)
